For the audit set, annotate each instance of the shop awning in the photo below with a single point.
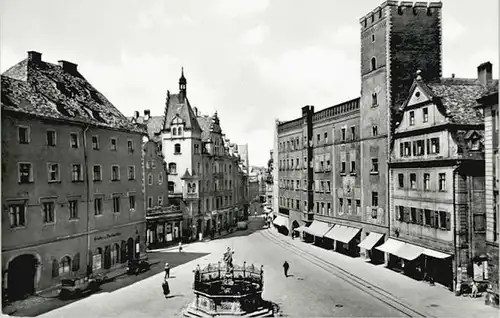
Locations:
(317, 228)
(370, 241)
(281, 221)
(335, 232)
(435, 254)
(390, 246)
(345, 233)
(300, 228)
(409, 251)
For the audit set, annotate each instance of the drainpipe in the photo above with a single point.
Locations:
(456, 250)
(87, 184)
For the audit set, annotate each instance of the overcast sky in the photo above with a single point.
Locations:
(251, 60)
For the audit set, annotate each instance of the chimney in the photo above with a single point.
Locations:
(484, 73)
(34, 56)
(146, 114)
(136, 114)
(68, 66)
(452, 75)
(195, 111)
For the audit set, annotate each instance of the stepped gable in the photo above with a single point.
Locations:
(459, 97)
(60, 92)
(182, 108)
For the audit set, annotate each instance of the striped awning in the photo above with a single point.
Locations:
(370, 241)
(318, 228)
(342, 233)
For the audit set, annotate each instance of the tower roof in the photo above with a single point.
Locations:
(182, 79)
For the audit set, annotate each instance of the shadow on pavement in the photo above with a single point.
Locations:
(174, 260)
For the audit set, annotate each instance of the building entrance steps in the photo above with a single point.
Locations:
(436, 301)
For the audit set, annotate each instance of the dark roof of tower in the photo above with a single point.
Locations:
(182, 79)
(47, 90)
(176, 107)
(205, 122)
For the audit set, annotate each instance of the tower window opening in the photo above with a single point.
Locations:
(373, 37)
(373, 17)
(373, 63)
(400, 10)
(429, 12)
(380, 14)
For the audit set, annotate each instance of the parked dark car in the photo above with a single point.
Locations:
(77, 286)
(137, 266)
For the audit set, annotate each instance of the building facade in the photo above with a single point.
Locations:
(71, 179)
(163, 220)
(438, 183)
(205, 175)
(489, 105)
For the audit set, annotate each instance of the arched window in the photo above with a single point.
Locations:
(172, 168)
(64, 265)
(171, 186)
(374, 99)
(180, 130)
(374, 63)
(76, 262)
(123, 256)
(193, 188)
(189, 187)
(114, 254)
(177, 148)
(55, 268)
(174, 131)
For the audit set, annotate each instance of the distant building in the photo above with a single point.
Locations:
(71, 179)
(437, 182)
(489, 105)
(269, 183)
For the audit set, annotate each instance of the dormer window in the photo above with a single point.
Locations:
(177, 148)
(412, 118)
(180, 131)
(475, 144)
(174, 131)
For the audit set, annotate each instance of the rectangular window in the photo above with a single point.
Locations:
(317, 207)
(323, 208)
(95, 142)
(160, 200)
(374, 130)
(131, 172)
(318, 139)
(97, 206)
(353, 167)
(374, 165)
(48, 212)
(73, 139)
(427, 181)
(442, 182)
(353, 132)
(341, 205)
(53, 170)
(51, 138)
(23, 134)
(17, 214)
(413, 180)
(343, 134)
(349, 206)
(73, 209)
(442, 219)
(358, 207)
(96, 173)
(375, 199)
(130, 146)
(434, 146)
(407, 149)
(25, 173)
(329, 208)
(401, 180)
(160, 180)
(113, 144)
(413, 214)
(427, 217)
(153, 164)
(412, 118)
(326, 138)
(131, 202)
(76, 172)
(115, 173)
(150, 202)
(116, 204)
(425, 114)
(401, 213)
(342, 168)
(419, 151)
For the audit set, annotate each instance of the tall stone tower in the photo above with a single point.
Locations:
(397, 39)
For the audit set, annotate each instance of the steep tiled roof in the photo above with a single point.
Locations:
(459, 96)
(154, 124)
(47, 90)
(182, 108)
(205, 122)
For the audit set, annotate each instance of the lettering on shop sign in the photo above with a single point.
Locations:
(107, 236)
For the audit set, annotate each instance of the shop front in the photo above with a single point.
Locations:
(345, 238)
(111, 248)
(163, 230)
(316, 232)
(369, 244)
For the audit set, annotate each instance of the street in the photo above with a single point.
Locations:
(317, 286)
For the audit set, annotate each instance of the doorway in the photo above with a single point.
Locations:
(21, 276)
(130, 249)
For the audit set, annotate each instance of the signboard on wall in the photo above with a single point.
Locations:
(96, 262)
(169, 237)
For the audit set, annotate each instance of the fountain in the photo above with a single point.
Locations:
(229, 290)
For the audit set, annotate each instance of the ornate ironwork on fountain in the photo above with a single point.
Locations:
(227, 289)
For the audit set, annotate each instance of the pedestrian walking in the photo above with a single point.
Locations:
(286, 266)
(165, 287)
(475, 289)
(180, 247)
(167, 270)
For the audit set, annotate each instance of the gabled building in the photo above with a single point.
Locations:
(437, 182)
(71, 178)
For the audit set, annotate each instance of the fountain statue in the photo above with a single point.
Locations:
(226, 289)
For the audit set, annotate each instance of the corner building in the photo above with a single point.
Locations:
(72, 192)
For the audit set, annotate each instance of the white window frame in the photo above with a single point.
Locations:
(76, 209)
(160, 178)
(98, 143)
(102, 205)
(100, 173)
(11, 206)
(55, 137)
(49, 171)
(119, 177)
(111, 144)
(128, 173)
(42, 205)
(113, 197)
(160, 200)
(150, 179)
(132, 148)
(28, 132)
(71, 140)
(31, 178)
(81, 172)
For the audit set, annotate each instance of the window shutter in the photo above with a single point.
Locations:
(407, 215)
(397, 212)
(448, 221)
(432, 218)
(428, 146)
(436, 217)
